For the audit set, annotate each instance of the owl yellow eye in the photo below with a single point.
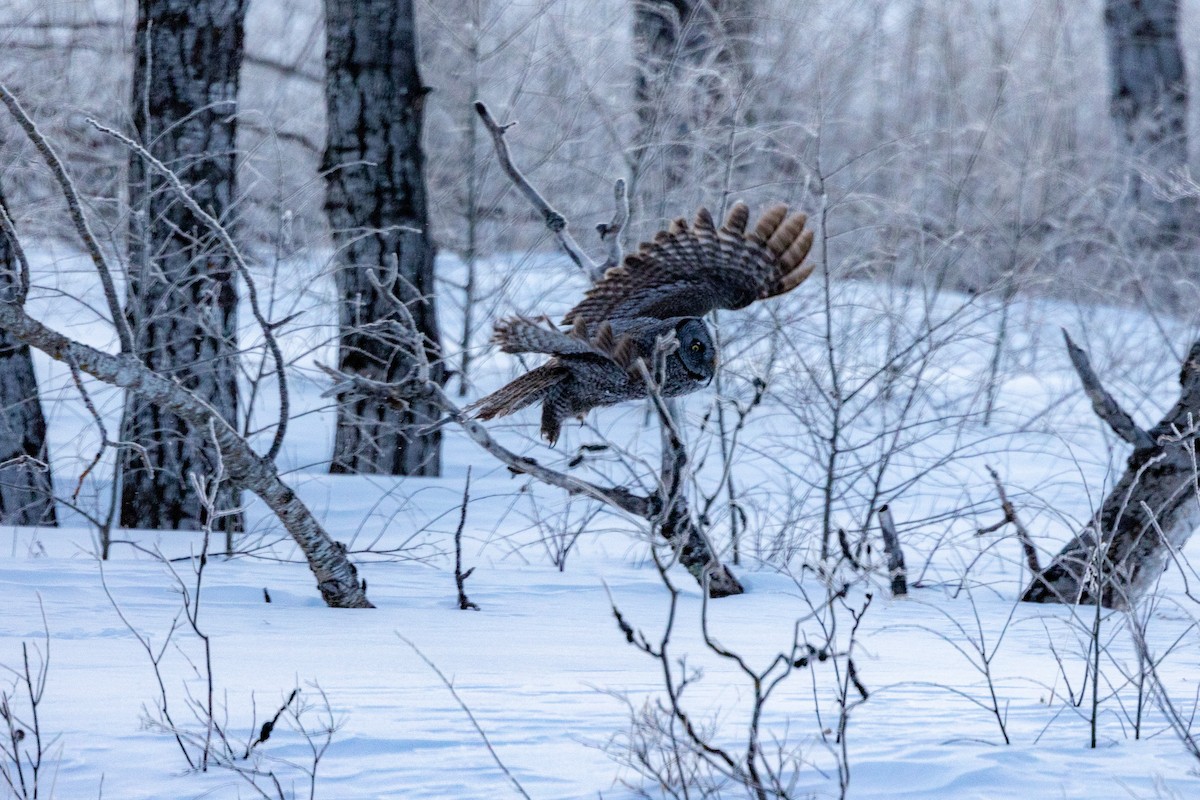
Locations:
(697, 347)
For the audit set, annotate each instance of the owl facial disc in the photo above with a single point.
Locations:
(696, 349)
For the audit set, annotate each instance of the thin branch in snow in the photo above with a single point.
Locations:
(460, 577)
(467, 710)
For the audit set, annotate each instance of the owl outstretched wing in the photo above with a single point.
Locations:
(526, 335)
(688, 271)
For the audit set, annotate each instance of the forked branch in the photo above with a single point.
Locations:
(1103, 403)
(555, 221)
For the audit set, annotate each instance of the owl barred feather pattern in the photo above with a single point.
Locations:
(692, 271)
(661, 290)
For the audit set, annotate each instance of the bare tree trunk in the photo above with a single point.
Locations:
(691, 60)
(376, 204)
(26, 488)
(1149, 97)
(182, 299)
(1151, 511)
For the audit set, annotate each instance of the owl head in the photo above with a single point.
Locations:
(696, 349)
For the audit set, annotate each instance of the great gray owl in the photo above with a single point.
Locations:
(663, 289)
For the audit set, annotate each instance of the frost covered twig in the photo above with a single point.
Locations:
(78, 219)
(555, 221)
(266, 328)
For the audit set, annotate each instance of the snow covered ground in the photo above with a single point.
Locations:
(951, 672)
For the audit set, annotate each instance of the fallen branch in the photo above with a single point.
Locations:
(1147, 514)
(671, 518)
(337, 579)
(1103, 403)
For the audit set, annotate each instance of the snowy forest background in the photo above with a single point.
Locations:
(979, 181)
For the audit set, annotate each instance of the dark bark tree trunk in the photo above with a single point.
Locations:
(691, 60)
(376, 204)
(182, 299)
(26, 488)
(1149, 97)
(1150, 512)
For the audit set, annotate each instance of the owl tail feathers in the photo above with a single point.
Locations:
(520, 393)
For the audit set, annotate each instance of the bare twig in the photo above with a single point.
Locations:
(847, 550)
(1010, 516)
(267, 328)
(555, 221)
(610, 233)
(75, 208)
(22, 742)
(268, 727)
(460, 577)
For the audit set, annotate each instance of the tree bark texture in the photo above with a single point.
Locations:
(1150, 512)
(376, 204)
(181, 298)
(26, 488)
(1148, 94)
(337, 578)
(691, 61)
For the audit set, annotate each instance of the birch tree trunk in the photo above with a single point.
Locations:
(1150, 512)
(181, 298)
(1149, 98)
(376, 204)
(26, 488)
